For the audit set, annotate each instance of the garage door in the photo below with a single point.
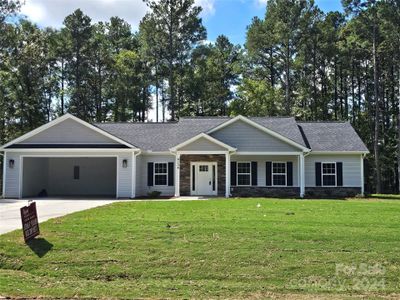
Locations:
(69, 176)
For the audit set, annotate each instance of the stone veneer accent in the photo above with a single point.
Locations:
(332, 192)
(264, 191)
(185, 161)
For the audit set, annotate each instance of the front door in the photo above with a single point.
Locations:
(204, 178)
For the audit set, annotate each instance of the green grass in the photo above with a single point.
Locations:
(209, 249)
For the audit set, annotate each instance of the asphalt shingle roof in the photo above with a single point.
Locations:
(163, 136)
(331, 136)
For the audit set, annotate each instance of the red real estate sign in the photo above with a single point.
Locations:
(30, 224)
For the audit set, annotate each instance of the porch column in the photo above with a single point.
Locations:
(133, 191)
(301, 158)
(177, 174)
(4, 175)
(362, 174)
(227, 174)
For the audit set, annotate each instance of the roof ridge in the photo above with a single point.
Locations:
(272, 117)
(118, 123)
(319, 122)
(205, 117)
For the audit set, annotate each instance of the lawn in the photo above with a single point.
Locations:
(238, 248)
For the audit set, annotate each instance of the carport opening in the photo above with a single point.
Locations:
(69, 177)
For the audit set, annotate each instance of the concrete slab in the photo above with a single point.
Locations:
(10, 218)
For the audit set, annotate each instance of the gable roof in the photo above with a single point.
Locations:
(163, 136)
(203, 136)
(62, 119)
(283, 128)
(332, 137)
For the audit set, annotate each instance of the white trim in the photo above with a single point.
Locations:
(339, 152)
(237, 173)
(154, 173)
(207, 137)
(52, 155)
(260, 127)
(272, 173)
(70, 150)
(3, 190)
(227, 175)
(20, 176)
(362, 174)
(265, 153)
(177, 174)
(59, 120)
(328, 174)
(197, 165)
(302, 175)
(201, 152)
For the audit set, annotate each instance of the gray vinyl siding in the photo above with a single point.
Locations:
(11, 188)
(69, 131)
(124, 175)
(141, 175)
(202, 144)
(261, 165)
(124, 186)
(351, 168)
(245, 137)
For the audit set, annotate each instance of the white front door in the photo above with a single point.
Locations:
(204, 178)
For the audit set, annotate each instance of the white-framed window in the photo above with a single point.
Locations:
(160, 173)
(243, 173)
(279, 174)
(328, 173)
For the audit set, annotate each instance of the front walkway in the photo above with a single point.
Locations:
(10, 218)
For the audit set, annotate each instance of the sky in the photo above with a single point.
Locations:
(228, 17)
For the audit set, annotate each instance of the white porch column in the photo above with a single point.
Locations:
(302, 175)
(227, 174)
(362, 174)
(177, 174)
(133, 191)
(4, 175)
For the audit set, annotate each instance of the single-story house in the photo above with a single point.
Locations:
(239, 156)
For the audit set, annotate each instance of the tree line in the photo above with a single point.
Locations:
(296, 61)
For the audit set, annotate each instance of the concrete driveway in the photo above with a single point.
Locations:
(10, 218)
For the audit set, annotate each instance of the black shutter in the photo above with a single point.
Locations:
(289, 173)
(253, 173)
(318, 174)
(170, 173)
(339, 174)
(150, 170)
(268, 173)
(233, 173)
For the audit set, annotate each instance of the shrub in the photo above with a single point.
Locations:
(154, 194)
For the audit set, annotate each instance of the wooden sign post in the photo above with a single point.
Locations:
(30, 223)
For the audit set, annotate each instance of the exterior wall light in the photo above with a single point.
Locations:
(125, 163)
(11, 163)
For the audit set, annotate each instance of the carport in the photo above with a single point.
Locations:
(58, 176)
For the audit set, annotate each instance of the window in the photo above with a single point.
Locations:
(160, 174)
(279, 173)
(243, 173)
(76, 172)
(329, 174)
(203, 168)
